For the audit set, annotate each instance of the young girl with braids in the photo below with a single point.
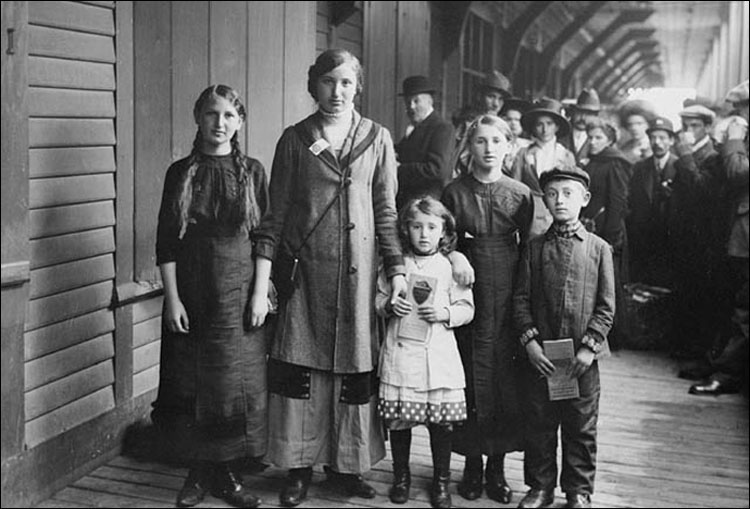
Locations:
(212, 388)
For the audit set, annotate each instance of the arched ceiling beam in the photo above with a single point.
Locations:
(640, 47)
(629, 70)
(515, 32)
(624, 18)
(634, 35)
(549, 51)
(611, 88)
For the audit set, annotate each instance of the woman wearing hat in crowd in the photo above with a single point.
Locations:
(512, 111)
(635, 117)
(585, 109)
(605, 213)
(424, 153)
(493, 91)
(545, 123)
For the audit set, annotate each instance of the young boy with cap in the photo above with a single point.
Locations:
(566, 289)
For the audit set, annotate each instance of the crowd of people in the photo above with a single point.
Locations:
(372, 286)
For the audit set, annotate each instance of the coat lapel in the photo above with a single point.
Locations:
(311, 132)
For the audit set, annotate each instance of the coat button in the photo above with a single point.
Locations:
(400, 344)
(349, 226)
(353, 269)
(347, 181)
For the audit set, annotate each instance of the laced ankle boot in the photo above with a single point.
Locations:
(440, 443)
(497, 487)
(227, 485)
(400, 450)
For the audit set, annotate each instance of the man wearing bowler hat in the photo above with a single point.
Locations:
(424, 153)
(649, 203)
(587, 107)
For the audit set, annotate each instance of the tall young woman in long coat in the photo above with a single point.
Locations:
(322, 403)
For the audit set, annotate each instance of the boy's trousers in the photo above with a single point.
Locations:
(577, 418)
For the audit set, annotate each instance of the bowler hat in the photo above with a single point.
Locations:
(515, 103)
(551, 108)
(588, 100)
(738, 94)
(497, 81)
(661, 124)
(414, 85)
(566, 172)
(699, 111)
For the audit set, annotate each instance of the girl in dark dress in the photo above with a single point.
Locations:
(212, 389)
(493, 216)
(610, 172)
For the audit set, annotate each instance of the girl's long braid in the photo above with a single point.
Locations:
(186, 188)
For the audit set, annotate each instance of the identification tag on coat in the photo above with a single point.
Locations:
(319, 146)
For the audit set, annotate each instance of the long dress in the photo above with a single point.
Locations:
(491, 221)
(212, 396)
(324, 353)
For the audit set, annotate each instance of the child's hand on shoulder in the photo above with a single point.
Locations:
(430, 314)
(581, 362)
(400, 306)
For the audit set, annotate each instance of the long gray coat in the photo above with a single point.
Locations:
(329, 322)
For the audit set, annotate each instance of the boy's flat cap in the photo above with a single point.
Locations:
(570, 172)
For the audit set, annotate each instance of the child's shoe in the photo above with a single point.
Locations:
(399, 493)
(470, 486)
(195, 487)
(497, 487)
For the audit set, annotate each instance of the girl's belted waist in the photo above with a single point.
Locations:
(204, 230)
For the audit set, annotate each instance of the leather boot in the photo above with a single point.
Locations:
(440, 443)
(400, 450)
(195, 487)
(497, 487)
(227, 485)
(296, 486)
(470, 486)
(351, 485)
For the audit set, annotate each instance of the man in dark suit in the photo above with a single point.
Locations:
(424, 153)
(649, 208)
(587, 107)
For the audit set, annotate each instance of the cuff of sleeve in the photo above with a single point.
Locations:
(265, 249)
(592, 344)
(396, 270)
(528, 336)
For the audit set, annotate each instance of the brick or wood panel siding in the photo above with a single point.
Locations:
(146, 345)
(382, 103)
(69, 346)
(265, 76)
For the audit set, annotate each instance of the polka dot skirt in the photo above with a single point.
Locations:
(435, 406)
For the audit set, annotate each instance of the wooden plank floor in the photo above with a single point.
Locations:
(658, 447)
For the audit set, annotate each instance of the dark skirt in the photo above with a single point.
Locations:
(489, 352)
(212, 388)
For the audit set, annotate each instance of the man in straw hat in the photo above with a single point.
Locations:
(587, 107)
(424, 153)
(730, 364)
(545, 122)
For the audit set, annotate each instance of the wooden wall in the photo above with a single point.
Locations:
(69, 345)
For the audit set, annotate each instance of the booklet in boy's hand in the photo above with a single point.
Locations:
(560, 385)
(421, 290)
